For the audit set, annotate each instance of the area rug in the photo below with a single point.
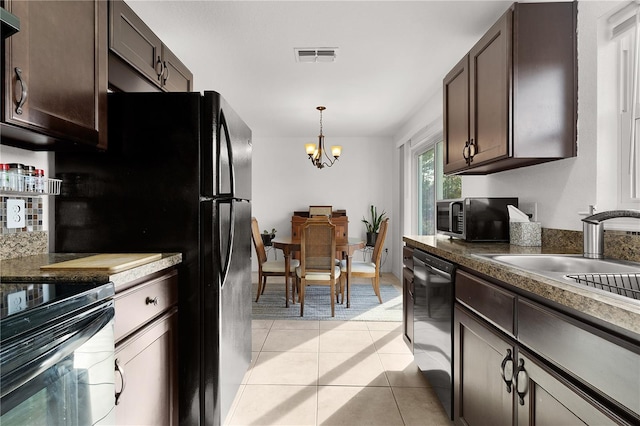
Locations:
(317, 305)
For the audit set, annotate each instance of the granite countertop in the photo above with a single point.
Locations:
(618, 311)
(27, 269)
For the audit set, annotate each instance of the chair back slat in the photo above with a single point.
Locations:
(376, 256)
(318, 245)
(257, 241)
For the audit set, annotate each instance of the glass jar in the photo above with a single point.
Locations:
(41, 181)
(29, 178)
(16, 177)
(4, 177)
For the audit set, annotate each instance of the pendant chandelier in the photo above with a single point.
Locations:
(317, 154)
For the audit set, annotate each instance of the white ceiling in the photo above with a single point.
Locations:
(392, 57)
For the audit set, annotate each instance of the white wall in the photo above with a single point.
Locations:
(284, 181)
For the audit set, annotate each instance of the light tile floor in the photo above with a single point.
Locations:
(333, 373)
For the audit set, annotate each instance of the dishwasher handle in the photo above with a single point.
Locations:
(433, 264)
(437, 271)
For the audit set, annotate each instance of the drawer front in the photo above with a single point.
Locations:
(407, 257)
(137, 305)
(490, 301)
(610, 366)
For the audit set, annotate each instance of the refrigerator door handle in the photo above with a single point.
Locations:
(226, 262)
(225, 157)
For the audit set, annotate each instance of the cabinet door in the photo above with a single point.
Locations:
(146, 367)
(481, 395)
(490, 93)
(56, 70)
(176, 76)
(545, 399)
(456, 116)
(134, 41)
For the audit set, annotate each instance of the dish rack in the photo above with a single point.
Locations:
(627, 285)
(50, 187)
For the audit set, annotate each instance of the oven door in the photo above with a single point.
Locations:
(61, 374)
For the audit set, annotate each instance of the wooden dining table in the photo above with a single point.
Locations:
(289, 246)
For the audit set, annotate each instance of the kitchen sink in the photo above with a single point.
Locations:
(563, 263)
(613, 276)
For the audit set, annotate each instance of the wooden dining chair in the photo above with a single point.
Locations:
(317, 259)
(368, 269)
(268, 268)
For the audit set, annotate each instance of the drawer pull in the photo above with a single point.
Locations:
(23, 91)
(150, 301)
(120, 370)
(507, 371)
(159, 69)
(165, 73)
(524, 383)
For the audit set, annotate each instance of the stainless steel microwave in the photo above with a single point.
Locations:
(475, 219)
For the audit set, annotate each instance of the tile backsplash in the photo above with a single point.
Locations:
(34, 215)
(31, 239)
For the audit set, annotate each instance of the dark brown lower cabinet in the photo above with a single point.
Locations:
(518, 362)
(146, 356)
(146, 374)
(407, 306)
(407, 295)
(545, 398)
(496, 382)
(481, 395)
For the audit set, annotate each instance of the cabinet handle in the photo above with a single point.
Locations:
(159, 69)
(23, 91)
(472, 150)
(150, 301)
(507, 370)
(465, 151)
(165, 73)
(524, 383)
(120, 370)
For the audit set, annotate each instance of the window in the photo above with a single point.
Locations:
(432, 185)
(625, 33)
(450, 186)
(426, 192)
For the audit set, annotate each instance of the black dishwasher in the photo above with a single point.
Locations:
(433, 323)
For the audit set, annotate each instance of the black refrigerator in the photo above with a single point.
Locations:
(176, 177)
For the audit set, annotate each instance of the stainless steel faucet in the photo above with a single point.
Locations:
(593, 231)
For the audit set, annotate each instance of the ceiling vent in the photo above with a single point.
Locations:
(324, 54)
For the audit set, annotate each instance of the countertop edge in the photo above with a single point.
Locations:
(27, 269)
(611, 310)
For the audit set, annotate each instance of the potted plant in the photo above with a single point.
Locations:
(268, 236)
(373, 225)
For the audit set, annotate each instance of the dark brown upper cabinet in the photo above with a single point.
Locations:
(512, 100)
(134, 42)
(55, 75)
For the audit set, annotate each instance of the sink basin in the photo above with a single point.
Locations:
(565, 264)
(612, 276)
